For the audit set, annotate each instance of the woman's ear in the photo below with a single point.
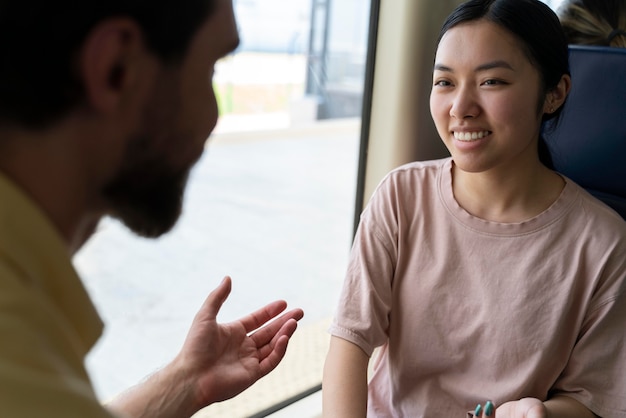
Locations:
(556, 97)
(110, 62)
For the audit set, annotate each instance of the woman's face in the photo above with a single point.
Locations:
(486, 99)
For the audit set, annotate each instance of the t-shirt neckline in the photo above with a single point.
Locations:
(553, 213)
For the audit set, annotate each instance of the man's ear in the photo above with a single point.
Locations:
(111, 62)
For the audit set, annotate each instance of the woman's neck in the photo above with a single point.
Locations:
(506, 195)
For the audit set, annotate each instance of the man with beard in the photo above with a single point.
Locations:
(104, 108)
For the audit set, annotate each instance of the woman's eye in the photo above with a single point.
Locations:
(442, 83)
(493, 82)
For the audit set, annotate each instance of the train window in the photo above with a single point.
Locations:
(271, 203)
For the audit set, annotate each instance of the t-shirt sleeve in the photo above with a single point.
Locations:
(595, 374)
(362, 316)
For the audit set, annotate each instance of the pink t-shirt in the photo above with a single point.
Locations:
(466, 310)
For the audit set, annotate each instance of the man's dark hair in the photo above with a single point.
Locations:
(39, 40)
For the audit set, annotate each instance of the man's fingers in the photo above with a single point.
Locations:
(265, 349)
(213, 303)
(266, 334)
(274, 358)
(260, 317)
(271, 354)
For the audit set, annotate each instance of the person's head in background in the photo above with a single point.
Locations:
(594, 22)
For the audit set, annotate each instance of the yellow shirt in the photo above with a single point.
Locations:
(47, 321)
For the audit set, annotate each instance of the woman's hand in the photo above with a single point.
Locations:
(556, 407)
(524, 408)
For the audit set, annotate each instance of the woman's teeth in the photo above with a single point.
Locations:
(470, 136)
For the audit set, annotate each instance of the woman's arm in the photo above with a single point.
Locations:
(344, 386)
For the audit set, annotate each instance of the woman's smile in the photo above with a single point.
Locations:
(470, 136)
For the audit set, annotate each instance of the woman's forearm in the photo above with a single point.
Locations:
(344, 386)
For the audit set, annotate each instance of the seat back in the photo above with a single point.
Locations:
(588, 144)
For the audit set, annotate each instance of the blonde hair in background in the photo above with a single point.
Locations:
(583, 26)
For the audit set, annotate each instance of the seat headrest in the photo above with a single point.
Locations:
(588, 144)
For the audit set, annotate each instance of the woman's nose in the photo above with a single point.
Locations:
(464, 105)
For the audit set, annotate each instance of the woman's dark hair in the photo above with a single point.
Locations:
(539, 31)
(39, 40)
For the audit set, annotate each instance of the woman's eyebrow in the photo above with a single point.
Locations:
(483, 67)
(494, 64)
(441, 67)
